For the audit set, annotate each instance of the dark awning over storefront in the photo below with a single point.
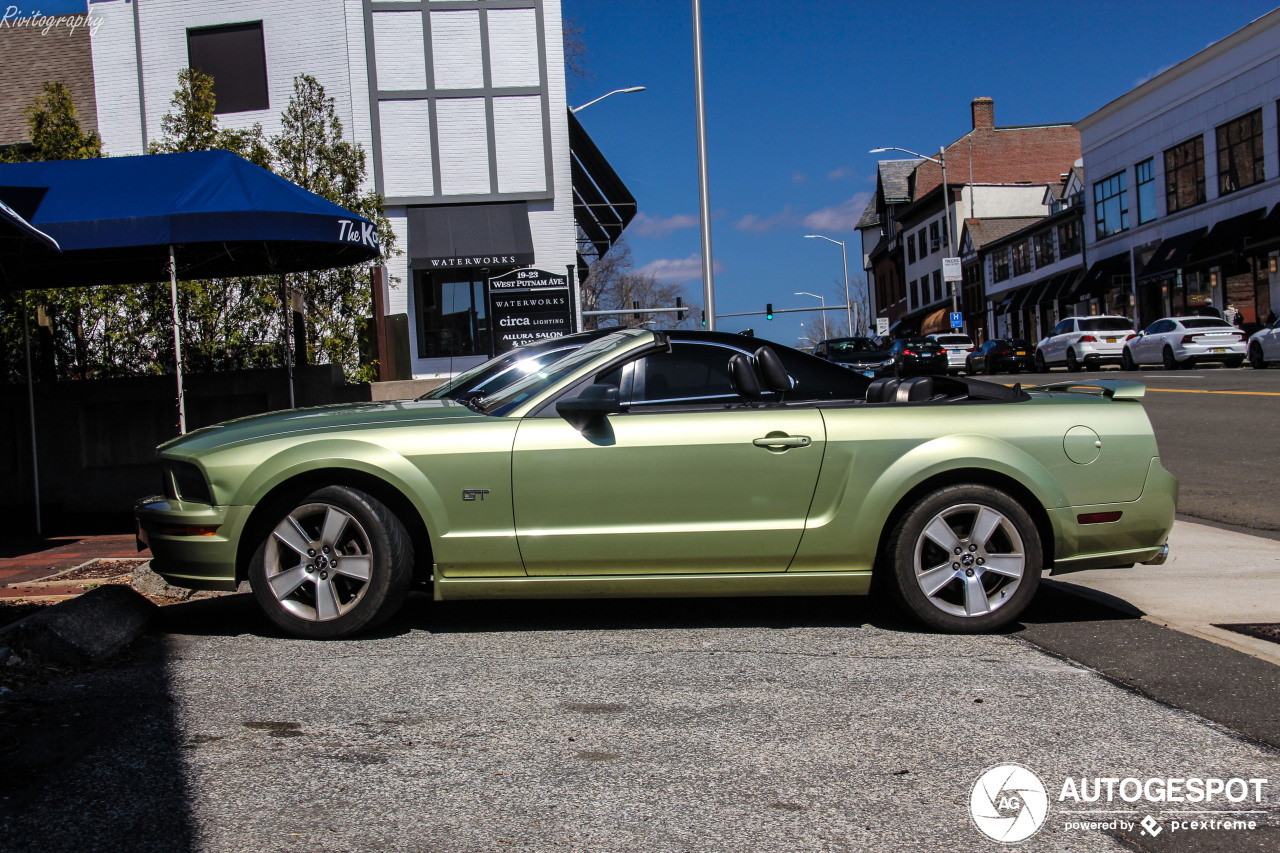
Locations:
(1070, 284)
(1228, 237)
(1102, 276)
(1022, 298)
(602, 204)
(1267, 232)
(469, 236)
(1170, 256)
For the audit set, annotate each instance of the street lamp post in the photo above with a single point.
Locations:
(625, 91)
(704, 181)
(824, 310)
(941, 160)
(844, 256)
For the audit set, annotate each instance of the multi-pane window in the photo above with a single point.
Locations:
(234, 56)
(1184, 175)
(1146, 184)
(453, 317)
(1043, 243)
(946, 233)
(924, 245)
(1111, 205)
(1021, 257)
(1240, 153)
(937, 285)
(1000, 264)
(911, 249)
(1069, 238)
(934, 243)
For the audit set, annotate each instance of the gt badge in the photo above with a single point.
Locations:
(470, 494)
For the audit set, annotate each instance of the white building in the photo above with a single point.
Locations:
(1184, 182)
(460, 106)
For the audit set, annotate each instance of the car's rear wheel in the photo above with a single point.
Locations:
(1126, 361)
(1256, 360)
(337, 563)
(1170, 363)
(1041, 367)
(1073, 363)
(965, 559)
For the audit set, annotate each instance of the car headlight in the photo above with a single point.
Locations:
(185, 482)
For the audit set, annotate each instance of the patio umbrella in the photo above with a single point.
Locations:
(17, 235)
(205, 214)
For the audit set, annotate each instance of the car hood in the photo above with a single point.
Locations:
(318, 419)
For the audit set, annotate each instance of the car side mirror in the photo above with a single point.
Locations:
(590, 407)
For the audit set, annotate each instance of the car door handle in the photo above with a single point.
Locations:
(772, 441)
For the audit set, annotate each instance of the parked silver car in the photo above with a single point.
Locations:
(1087, 342)
(958, 347)
(1264, 346)
(1185, 342)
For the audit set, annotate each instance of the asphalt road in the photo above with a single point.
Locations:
(717, 725)
(1219, 433)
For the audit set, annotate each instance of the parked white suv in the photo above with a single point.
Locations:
(958, 347)
(1085, 342)
(1185, 341)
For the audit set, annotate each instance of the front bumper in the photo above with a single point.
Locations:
(1139, 536)
(194, 560)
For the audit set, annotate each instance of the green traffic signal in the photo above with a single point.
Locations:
(768, 311)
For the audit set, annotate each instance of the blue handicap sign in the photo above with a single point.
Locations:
(957, 320)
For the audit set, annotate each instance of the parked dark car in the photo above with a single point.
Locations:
(1001, 355)
(864, 355)
(918, 355)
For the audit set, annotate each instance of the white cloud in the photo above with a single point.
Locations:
(645, 225)
(841, 217)
(799, 178)
(786, 219)
(841, 172)
(677, 270)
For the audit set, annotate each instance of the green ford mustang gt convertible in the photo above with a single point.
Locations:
(642, 464)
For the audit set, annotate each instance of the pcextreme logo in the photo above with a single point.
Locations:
(1008, 803)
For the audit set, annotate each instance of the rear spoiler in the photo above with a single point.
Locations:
(1115, 389)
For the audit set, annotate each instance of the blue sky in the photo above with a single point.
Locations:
(797, 92)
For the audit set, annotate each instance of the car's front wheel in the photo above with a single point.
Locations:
(1041, 366)
(1126, 361)
(1256, 359)
(337, 563)
(965, 559)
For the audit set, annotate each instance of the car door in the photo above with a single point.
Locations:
(1270, 340)
(1146, 347)
(1054, 347)
(678, 483)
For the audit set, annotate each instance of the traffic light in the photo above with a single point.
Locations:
(703, 315)
(768, 311)
(634, 305)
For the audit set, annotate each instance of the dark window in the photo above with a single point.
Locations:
(1240, 153)
(688, 372)
(915, 294)
(1044, 248)
(946, 233)
(1021, 253)
(937, 285)
(1105, 324)
(234, 56)
(1069, 238)
(1184, 175)
(453, 320)
(1111, 205)
(1000, 264)
(1146, 183)
(911, 250)
(924, 245)
(934, 242)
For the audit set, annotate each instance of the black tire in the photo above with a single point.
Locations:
(1041, 366)
(1256, 359)
(1126, 361)
(1170, 363)
(369, 556)
(1073, 363)
(914, 560)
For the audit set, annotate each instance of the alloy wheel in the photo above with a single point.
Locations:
(318, 561)
(969, 560)
(1170, 363)
(1256, 359)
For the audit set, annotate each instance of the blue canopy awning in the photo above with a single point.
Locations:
(116, 218)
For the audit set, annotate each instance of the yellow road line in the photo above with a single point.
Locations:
(1200, 391)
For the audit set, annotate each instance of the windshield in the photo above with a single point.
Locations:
(1105, 324)
(516, 393)
(1206, 323)
(463, 379)
(844, 349)
(921, 344)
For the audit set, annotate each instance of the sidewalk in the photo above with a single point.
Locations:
(1213, 577)
(23, 561)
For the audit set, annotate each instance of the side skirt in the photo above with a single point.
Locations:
(654, 586)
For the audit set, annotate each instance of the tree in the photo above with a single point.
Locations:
(192, 124)
(611, 284)
(53, 122)
(311, 152)
(575, 52)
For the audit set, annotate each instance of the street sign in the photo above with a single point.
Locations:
(957, 320)
(882, 326)
(951, 270)
(528, 305)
